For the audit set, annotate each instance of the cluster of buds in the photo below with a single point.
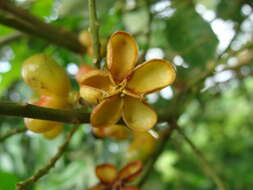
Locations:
(41, 73)
(111, 179)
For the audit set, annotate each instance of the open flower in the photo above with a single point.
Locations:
(119, 91)
(110, 178)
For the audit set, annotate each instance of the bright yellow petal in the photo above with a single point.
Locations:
(131, 171)
(96, 79)
(108, 112)
(91, 95)
(83, 70)
(107, 173)
(151, 76)
(53, 133)
(118, 132)
(138, 115)
(122, 54)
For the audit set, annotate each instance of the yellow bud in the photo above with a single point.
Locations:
(44, 75)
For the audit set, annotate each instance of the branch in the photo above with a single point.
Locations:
(43, 171)
(12, 37)
(12, 132)
(209, 171)
(28, 23)
(31, 111)
(94, 27)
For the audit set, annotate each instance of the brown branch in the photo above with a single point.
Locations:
(34, 26)
(11, 133)
(208, 170)
(36, 112)
(43, 171)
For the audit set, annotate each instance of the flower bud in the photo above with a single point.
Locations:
(44, 75)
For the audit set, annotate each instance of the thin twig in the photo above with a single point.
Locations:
(10, 38)
(45, 170)
(94, 27)
(209, 171)
(31, 111)
(11, 133)
(34, 26)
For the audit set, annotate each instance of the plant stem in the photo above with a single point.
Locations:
(12, 37)
(12, 132)
(37, 112)
(51, 163)
(22, 20)
(94, 29)
(209, 171)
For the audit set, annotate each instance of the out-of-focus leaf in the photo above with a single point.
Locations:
(8, 78)
(21, 52)
(80, 7)
(191, 36)
(130, 19)
(5, 30)
(228, 9)
(111, 22)
(8, 180)
(42, 8)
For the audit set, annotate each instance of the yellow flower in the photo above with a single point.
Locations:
(119, 91)
(111, 178)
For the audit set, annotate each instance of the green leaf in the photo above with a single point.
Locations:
(228, 10)
(8, 180)
(42, 8)
(21, 52)
(191, 36)
(4, 30)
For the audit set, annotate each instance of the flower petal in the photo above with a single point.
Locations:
(130, 188)
(83, 70)
(54, 132)
(151, 76)
(138, 115)
(131, 171)
(91, 95)
(107, 113)
(96, 79)
(118, 132)
(122, 53)
(107, 173)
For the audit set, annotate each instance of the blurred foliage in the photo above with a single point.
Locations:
(187, 43)
(218, 120)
